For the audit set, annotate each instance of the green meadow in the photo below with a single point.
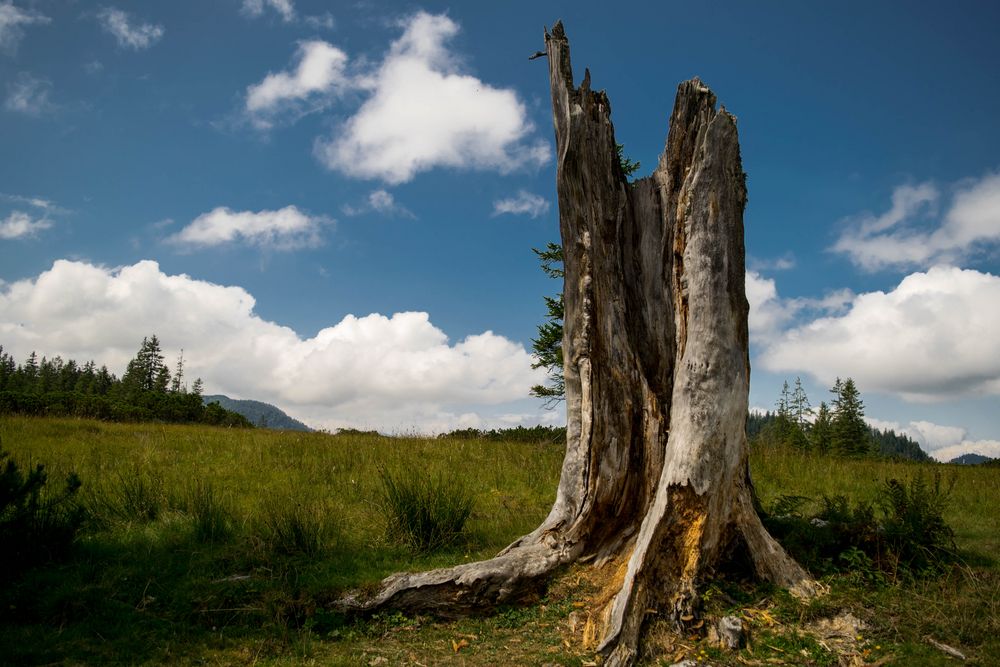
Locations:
(208, 545)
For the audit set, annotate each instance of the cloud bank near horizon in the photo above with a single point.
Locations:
(395, 373)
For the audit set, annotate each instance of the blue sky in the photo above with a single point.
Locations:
(331, 206)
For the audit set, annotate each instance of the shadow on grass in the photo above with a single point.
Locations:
(156, 593)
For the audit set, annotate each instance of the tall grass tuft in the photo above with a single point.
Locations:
(210, 512)
(427, 512)
(292, 528)
(131, 495)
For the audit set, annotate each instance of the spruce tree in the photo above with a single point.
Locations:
(548, 346)
(784, 403)
(144, 372)
(849, 432)
(820, 435)
(177, 383)
(29, 372)
(799, 406)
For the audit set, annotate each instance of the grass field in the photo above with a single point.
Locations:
(225, 546)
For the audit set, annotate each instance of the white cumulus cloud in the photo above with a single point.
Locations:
(423, 112)
(19, 225)
(319, 74)
(907, 235)
(770, 314)
(128, 32)
(284, 229)
(393, 373)
(12, 18)
(29, 95)
(523, 203)
(935, 336)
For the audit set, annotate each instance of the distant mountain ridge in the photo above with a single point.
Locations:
(260, 414)
(970, 459)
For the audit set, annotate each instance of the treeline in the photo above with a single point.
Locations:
(514, 434)
(148, 391)
(838, 428)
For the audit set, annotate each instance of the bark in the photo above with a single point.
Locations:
(655, 479)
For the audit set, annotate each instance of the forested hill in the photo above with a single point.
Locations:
(259, 413)
(769, 426)
(891, 444)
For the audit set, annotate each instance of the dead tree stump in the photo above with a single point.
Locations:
(655, 480)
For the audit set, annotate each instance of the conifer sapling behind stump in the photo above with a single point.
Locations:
(655, 483)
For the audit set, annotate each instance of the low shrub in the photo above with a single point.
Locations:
(903, 534)
(914, 529)
(37, 524)
(426, 512)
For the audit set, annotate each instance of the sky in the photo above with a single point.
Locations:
(331, 206)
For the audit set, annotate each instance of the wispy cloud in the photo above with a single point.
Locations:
(908, 235)
(12, 20)
(20, 225)
(286, 10)
(37, 202)
(379, 201)
(783, 263)
(255, 8)
(423, 112)
(29, 95)
(523, 203)
(322, 21)
(284, 229)
(129, 33)
(308, 87)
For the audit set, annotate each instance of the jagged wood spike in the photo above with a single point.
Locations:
(655, 480)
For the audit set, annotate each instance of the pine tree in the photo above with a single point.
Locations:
(8, 367)
(787, 429)
(48, 374)
(104, 381)
(799, 406)
(177, 383)
(29, 372)
(784, 403)
(548, 345)
(162, 380)
(628, 166)
(145, 371)
(820, 435)
(88, 376)
(849, 432)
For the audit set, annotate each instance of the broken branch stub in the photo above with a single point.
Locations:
(655, 478)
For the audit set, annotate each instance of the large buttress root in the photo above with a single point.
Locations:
(655, 478)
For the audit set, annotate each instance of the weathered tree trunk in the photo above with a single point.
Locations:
(655, 480)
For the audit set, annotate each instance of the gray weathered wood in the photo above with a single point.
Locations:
(655, 476)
